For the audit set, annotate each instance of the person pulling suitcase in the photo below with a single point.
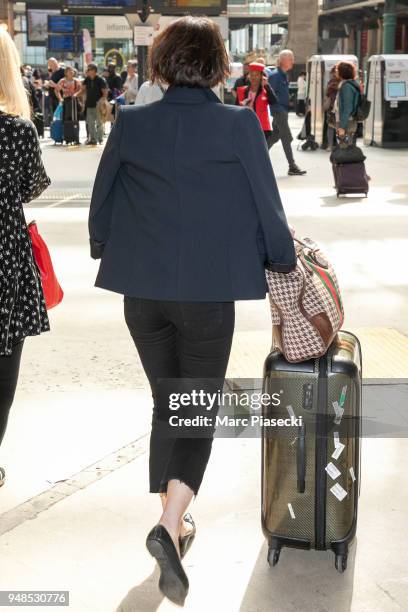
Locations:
(347, 159)
(311, 470)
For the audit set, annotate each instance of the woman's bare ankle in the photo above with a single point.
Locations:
(173, 530)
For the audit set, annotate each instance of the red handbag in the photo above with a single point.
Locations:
(53, 293)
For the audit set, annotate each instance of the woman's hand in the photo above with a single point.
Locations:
(292, 231)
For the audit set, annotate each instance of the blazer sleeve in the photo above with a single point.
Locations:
(100, 210)
(251, 149)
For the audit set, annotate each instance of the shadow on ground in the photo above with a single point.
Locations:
(145, 597)
(333, 201)
(299, 577)
(403, 189)
(302, 580)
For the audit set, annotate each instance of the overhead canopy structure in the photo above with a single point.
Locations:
(239, 22)
(164, 7)
(334, 12)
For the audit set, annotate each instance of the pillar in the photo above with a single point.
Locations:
(250, 37)
(6, 15)
(302, 31)
(389, 25)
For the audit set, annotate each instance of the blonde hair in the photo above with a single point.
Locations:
(13, 96)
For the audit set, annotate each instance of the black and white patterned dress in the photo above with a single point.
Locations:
(22, 178)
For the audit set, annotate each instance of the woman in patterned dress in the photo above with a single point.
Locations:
(22, 178)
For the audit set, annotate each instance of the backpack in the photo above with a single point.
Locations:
(363, 105)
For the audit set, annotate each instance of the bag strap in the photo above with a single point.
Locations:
(311, 253)
(304, 244)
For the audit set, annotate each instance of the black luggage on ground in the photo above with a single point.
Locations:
(311, 471)
(350, 154)
(350, 178)
(47, 110)
(38, 121)
(71, 123)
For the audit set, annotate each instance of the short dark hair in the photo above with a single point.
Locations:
(189, 52)
(92, 66)
(346, 70)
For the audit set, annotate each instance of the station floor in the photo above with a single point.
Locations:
(75, 509)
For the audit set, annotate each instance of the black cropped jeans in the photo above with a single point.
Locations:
(9, 369)
(179, 341)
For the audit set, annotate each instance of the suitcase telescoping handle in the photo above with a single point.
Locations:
(301, 458)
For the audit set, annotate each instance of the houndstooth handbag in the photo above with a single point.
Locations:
(306, 306)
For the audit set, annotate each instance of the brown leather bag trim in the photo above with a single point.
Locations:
(322, 323)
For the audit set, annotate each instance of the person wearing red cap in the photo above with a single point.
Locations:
(258, 95)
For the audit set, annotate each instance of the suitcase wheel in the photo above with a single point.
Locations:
(273, 556)
(341, 563)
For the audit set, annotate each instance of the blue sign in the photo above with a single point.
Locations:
(61, 24)
(62, 43)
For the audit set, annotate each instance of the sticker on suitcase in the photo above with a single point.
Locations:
(338, 491)
(342, 399)
(339, 412)
(338, 450)
(291, 511)
(332, 471)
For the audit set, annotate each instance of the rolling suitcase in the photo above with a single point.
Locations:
(71, 123)
(311, 470)
(350, 178)
(57, 131)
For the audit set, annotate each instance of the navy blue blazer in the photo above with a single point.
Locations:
(185, 204)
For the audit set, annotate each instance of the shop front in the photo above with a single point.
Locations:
(113, 41)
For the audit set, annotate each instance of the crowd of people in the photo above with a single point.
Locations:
(266, 91)
(95, 97)
(84, 96)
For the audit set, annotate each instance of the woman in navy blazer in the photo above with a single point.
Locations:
(186, 216)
